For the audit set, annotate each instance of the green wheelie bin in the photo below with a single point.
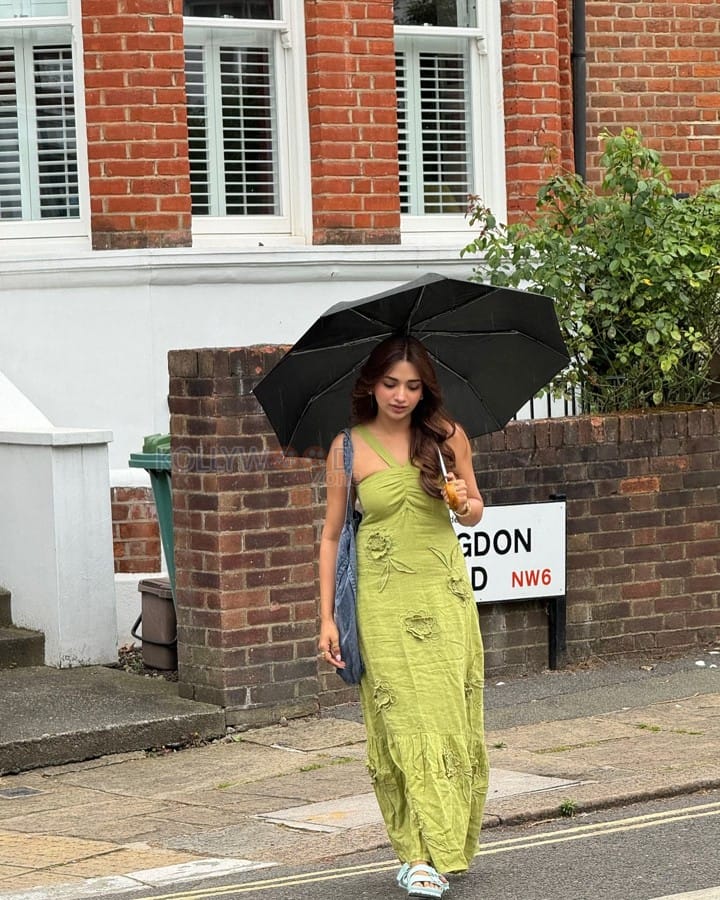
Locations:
(155, 459)
(158, 617)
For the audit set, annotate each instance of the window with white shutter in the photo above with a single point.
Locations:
(10, 185)
(38, 153)
(232, 113)
(39, 180)
(449, 110)
(435, 134)
(243, 88)
(16, 9)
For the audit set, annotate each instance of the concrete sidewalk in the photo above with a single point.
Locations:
(581, 739)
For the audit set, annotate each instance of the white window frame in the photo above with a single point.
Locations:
(294, 223)
(487, 125)
(76, 229)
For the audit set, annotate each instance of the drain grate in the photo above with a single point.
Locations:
(14, 793)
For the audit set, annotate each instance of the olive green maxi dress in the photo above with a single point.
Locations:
(422, 691)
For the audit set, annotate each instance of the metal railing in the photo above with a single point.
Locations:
(548, 407)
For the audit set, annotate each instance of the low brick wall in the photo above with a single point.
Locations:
(643, 539)
(136, 533)
(643, 533)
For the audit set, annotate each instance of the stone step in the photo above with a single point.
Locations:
(5, 609)
(21, 647)
(49, 717)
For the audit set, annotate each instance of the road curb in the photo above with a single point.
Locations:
(613, 801)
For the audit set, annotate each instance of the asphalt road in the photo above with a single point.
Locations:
(640, 852)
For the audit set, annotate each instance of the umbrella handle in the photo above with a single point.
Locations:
(453, 499)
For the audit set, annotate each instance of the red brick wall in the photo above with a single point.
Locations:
(656, 67)
(643, 545)
(653, 67)
(353, 122)
(538, 95)
(136, 535)
(136, 123)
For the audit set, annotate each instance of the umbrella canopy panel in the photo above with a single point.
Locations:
(493, 349)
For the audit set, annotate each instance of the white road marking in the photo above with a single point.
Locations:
(132, 881)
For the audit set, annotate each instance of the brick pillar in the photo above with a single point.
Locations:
(353, 122)
(536, 88)
(244, 543)
(136, 123)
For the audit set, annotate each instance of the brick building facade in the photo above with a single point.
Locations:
(654, 67)
(137, 139)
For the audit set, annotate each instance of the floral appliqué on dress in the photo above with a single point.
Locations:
(474, 684)
(383, 696)
(457, 582)
(451, 763)
(421, 625)
(380, 546)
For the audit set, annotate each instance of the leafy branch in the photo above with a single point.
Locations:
(634, 273)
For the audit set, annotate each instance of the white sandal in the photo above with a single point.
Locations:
(423, 881)
(402, 876)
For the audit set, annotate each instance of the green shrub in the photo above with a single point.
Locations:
(635, 274)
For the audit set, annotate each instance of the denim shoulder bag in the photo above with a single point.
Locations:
(346, 580)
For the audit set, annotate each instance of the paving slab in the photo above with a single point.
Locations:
(99, 888)
(507, 783)
(708, 894)
(308, 734)
(270, 842)
(323, 778)
(330, 816)
(358, 810)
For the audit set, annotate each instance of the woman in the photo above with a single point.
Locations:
(422, 690)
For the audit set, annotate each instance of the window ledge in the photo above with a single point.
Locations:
(260, 265)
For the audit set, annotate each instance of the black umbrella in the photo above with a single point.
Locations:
(493, 349)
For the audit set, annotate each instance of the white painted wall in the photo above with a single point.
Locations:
(16, 411)
(86, 337)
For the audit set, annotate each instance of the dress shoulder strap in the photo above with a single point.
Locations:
(348, 466)
(373, 442)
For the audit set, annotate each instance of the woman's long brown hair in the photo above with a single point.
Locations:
(430, 425)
